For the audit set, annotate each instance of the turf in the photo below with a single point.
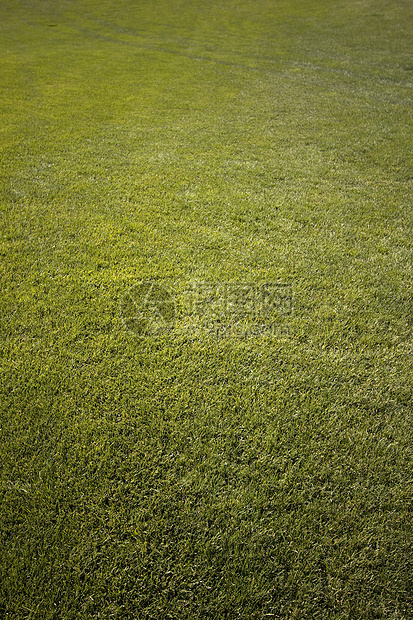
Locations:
(183, 475)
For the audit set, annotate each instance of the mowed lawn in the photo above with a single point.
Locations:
(183, 474)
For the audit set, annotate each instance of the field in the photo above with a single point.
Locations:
(153, 466)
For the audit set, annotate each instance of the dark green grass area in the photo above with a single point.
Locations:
(183, 476)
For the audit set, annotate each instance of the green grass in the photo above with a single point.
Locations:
(182, 476)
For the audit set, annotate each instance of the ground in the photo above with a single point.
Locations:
(194, 466)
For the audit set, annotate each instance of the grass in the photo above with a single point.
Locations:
(185, 476)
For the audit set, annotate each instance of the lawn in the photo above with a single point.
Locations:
(165, 167)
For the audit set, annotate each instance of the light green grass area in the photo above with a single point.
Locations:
(183, 476)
